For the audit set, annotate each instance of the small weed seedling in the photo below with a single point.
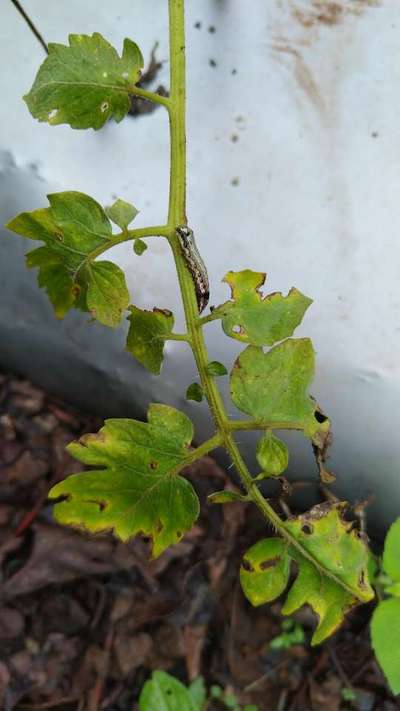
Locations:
(135, 484)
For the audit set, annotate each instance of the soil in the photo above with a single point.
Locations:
(85, 619)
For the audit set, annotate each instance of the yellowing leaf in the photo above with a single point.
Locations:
(135, 487)
(147, 334)
(107, 295)
(329, 601)
(72, 229)
(332, 563)
(260, 321)
(85, 84)
(265, 570)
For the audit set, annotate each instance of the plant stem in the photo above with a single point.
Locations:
(177, 216)
(150, 96)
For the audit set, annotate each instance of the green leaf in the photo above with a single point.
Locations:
(122, 213)
(194, 392)
(165, 693)
(225, 497)
(137, 488)
(264, 574)
(272, 455)
(216, 369)
(85, 84)
(391, 552)
(252, 318)
(139, 246)
(72, 229)
(54, 277)
(385, 635)
(273, 386)
(332, 563)
(197, 692)
(107, 293)
(393, 589)
(147, 334)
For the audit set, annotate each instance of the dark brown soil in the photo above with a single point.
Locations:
(84, 620)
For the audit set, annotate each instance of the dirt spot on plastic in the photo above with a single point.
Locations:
(320, 12)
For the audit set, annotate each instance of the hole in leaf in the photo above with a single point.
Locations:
(101, 504)
(307, 528)
(268, 563)
(104, 106)
(320, 417)
(53, 113)
(246, 565)
(361, 579)
(236, 329)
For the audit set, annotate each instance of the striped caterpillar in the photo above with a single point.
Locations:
(195, 265)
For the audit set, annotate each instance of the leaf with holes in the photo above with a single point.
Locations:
(385, 636)
(73, 228)
(332, 563)
(273, 386)
(147, 334)
(135, 487)
(264, 574)
(86, 83)
(252, 318)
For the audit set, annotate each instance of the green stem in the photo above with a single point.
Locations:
(241, 425)
(205, 448)
(150, 96)
(177, 216)
(127, 236)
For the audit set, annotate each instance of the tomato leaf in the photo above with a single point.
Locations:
(272, 455)
(72, 229)
(139, 246)
(385, 636)
(273, 386)
(86, 83)
(165, 693)
(225, 497)
(391, 552)
(135, 487)
(252, 318)
(265, 570)
(122, 213)
(147, 334)
(332, 564)
(216, 369)
(195, 392)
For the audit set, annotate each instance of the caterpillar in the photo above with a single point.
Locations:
(195, 265)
